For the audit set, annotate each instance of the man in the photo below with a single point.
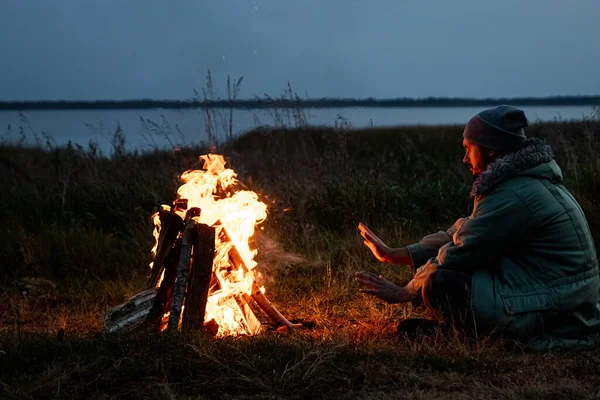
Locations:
(522, 263)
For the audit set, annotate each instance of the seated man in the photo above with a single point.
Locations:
(523, 262)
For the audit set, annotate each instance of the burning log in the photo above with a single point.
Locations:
(162, 303)
(269, 309)
(257, 294)
(170, 226)
(200, 278)
(182, 274)
(245, 303)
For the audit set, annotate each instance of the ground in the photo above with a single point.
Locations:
(77, 235)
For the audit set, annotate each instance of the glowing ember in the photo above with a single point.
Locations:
(234, 214)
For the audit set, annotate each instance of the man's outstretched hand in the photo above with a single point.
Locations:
(379, 249)
(380, 287)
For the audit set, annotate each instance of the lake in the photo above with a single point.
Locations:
(188, 126)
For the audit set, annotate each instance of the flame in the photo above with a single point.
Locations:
(156, 234)
(234, 214)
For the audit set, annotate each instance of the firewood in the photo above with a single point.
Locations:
(162, 303)
(170, 226)
(131, 314)
(263, 302)
(182, 274)
(211, 327)
(245, 316)
(259, 297)
(253, 324)
(180, 205)
(200, 278)
(192, 212)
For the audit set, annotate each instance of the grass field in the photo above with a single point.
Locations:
(76, 239)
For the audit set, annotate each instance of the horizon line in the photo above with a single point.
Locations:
(322, 102)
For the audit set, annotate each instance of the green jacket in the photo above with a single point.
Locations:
(530, 251)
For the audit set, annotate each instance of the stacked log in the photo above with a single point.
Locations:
(180, 282)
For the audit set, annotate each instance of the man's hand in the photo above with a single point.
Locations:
(380, 287)
(380, 250)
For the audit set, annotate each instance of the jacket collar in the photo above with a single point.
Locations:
(535, 152)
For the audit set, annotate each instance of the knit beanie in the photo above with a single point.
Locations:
(499, 128)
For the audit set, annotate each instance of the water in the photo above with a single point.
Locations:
(188, 126)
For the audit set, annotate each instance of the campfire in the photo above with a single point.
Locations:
(203, 275)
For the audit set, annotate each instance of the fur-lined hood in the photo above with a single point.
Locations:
(535, 152)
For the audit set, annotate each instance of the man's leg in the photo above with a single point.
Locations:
(448, 293)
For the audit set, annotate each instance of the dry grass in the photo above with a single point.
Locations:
(77, 235)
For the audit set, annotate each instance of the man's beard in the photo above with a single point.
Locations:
(475, 175)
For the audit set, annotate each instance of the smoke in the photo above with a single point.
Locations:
(271, 256)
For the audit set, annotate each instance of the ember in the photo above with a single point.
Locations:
(203, 273)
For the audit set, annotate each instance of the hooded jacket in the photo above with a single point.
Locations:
(530, 251)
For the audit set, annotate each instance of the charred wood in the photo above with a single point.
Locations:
(182, 274)
(162, 303)
(170, 227)
(200, 278)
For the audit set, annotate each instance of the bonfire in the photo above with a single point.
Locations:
(203, 271)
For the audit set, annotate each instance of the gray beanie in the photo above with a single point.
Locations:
(499, 128)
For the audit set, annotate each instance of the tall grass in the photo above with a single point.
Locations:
(318, 183)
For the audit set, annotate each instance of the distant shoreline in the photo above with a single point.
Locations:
(138, 104)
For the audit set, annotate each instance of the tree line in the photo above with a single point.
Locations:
(295, 103)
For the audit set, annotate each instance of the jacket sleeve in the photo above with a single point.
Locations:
(498, 222)
(429, 245)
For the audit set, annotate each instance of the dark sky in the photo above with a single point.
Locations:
(117, 49)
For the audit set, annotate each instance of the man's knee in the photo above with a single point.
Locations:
(433, 289)
(444, 288)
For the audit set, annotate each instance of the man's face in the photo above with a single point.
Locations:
(476, 157)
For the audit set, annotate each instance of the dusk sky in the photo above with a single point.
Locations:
(119, 49)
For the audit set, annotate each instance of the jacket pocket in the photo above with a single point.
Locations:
(532, 302)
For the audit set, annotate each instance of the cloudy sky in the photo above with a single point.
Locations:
(118, 49)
